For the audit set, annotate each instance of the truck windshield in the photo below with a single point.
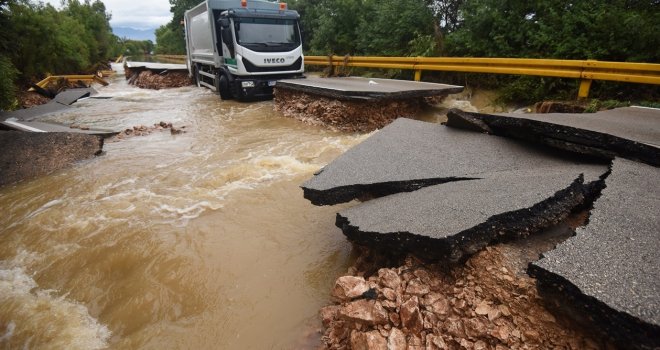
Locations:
(262, 33)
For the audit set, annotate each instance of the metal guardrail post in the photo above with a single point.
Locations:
(585, 85)
(418, 74)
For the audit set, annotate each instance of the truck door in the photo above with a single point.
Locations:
(226, 39)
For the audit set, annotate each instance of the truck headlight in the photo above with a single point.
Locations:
(247, 84)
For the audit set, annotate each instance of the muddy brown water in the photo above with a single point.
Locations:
(200, 240)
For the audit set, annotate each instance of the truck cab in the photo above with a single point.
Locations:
(240, 48)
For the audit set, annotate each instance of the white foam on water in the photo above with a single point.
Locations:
(61, 323)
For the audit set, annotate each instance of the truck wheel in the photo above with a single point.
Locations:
(223, 88)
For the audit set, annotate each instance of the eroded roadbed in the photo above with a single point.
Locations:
(443, 193)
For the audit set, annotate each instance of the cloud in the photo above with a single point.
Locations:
(136, 14)
(141, 14)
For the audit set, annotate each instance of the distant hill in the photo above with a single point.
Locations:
(135, 34)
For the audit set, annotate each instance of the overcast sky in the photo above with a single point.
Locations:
(137, 14)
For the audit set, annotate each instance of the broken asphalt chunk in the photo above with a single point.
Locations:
(631, 132)
(408, 155)
(610, 270)
(454, 220)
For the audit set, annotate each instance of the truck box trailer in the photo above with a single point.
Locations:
(240, 48)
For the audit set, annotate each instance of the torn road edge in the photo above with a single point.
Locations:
(564, 137)
(623, 329)
(500, 227)
(342, 194)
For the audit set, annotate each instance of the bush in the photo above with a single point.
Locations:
(7, 89)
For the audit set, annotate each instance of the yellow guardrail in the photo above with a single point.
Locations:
(87, 79)
(585, 70)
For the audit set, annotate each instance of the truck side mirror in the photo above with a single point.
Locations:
(224, 22)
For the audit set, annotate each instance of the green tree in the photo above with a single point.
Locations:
(168, 41)
(392, 26)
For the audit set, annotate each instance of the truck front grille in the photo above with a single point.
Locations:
(254, 69)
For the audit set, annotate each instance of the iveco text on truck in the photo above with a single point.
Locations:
(240, 48)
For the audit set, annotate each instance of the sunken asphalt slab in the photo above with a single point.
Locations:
(61, 102)
(355, 88)
(611, 268)
(23, 119)
(407, 155)
(451, 221)
(631, 132)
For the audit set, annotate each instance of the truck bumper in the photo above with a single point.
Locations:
(258, 88)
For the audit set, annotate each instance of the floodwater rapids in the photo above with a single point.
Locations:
(200, 240)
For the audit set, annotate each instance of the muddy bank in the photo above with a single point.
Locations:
(28, 155)
(342, 115)
(487, 303)
(147, 79)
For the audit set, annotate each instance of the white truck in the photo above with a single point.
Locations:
(240, 48)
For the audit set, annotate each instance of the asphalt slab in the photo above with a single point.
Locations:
(356, 88)
(407, 155)
(451, 221)
(610, 270)
(631, 132)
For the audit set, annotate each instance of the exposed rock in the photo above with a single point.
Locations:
(28, 155)
(396, 340)
(458, 311)
(329, 313)
(367, 341)
(364, 311)
(389, 278)
(411, 318)
(349, 287)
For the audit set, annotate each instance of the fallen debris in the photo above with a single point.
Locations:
(611, 267)
(484, 304)
(28, 155)
(29, 99)
(630, 132)
(408, 155)
(451, 221)
(143, 130)
(355, 104)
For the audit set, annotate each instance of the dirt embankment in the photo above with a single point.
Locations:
(26, 155)
(487, 303)
(147, 79)
(342, 115)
